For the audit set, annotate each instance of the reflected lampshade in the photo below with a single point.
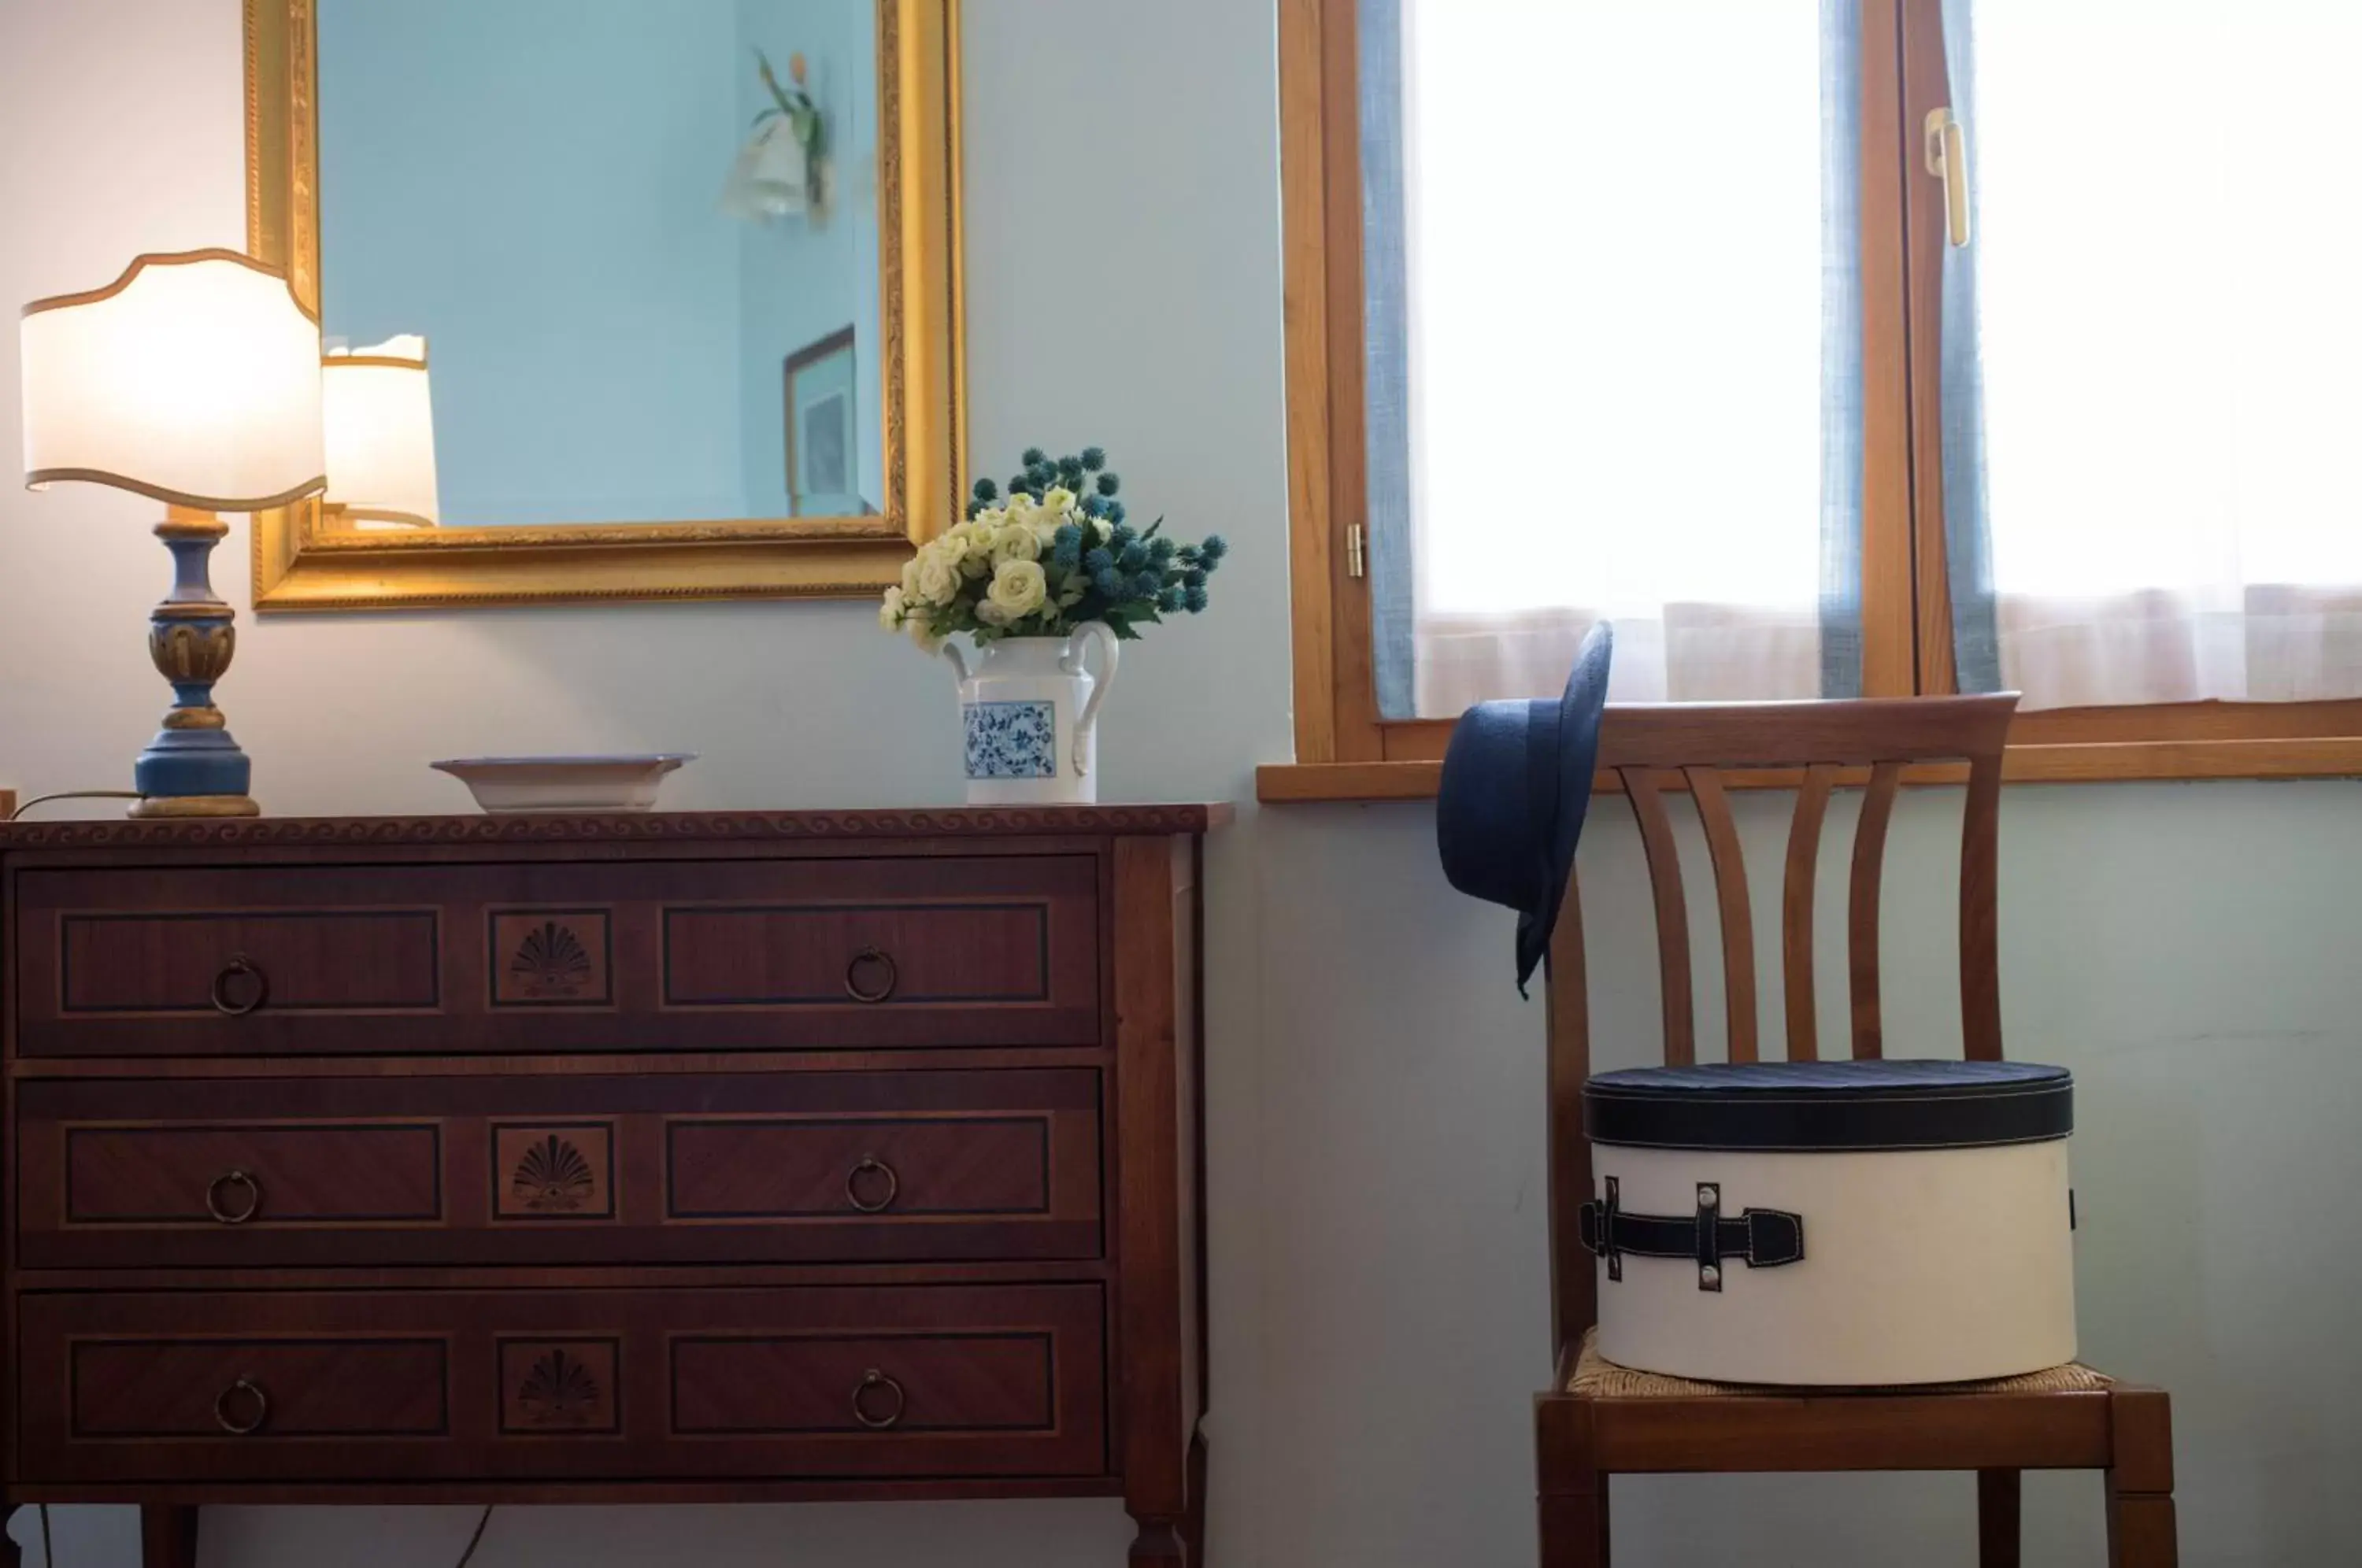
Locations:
(194, 378)
(380, 435)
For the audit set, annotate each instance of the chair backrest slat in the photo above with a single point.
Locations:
(1796, 908)
(1656, 749)
(1861, 908)
(1731, 900)
(1979, 912)
(1646, 787)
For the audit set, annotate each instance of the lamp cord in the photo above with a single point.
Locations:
(48, 1557)
(77, 795)
(482, 1520)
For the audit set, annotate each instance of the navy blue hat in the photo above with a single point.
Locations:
(1516, 782)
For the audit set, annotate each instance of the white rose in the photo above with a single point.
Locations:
(1018, 542)
(939, 573)
(910, 578)
(1021, 506)
(991, 614)
(1019, 588)
(919, 632)
(1058, 500)
(973, 543)
(891, 612)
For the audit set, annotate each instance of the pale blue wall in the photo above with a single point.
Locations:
(800, 280)
(600, 131)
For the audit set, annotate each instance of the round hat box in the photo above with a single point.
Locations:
(1856, 1223)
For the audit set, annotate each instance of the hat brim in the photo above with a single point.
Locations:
(1581, 707)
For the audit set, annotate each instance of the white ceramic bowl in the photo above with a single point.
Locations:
(508, 784)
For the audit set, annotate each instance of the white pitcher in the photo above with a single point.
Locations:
(1029, 709)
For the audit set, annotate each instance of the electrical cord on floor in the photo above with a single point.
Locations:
(49, 1558)
(482, 1520)
(77, 795)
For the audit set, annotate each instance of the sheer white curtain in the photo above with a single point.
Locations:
(1613, 239)
(2171, 325)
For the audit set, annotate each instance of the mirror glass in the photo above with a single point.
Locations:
(640, 241)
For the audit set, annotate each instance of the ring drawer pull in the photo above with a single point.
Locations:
(254, 1394)
(852, 975)
(231, 1180)
(852, 1185)
(240, 965)
(873, 1378)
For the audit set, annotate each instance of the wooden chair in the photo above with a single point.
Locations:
(1630, 1422)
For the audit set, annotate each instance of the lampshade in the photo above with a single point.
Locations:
(194, 378)
(380, 434)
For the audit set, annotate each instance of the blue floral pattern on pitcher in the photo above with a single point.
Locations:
(1012, 740)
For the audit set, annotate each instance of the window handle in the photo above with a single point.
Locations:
(1947, 159)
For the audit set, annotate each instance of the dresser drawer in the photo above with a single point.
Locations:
(928, 1166)
(817, 1382)
(840, 953)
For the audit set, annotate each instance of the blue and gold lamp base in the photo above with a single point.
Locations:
(193, 767)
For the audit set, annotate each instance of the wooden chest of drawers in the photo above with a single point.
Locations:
(782, 1155)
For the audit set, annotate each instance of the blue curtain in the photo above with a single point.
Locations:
(1968, 535)
(1841, 378)
(1385, 351)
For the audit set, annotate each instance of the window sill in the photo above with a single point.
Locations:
(2336, 757)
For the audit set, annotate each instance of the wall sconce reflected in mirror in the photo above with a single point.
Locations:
(381, 436)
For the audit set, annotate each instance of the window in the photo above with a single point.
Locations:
(1656, 311)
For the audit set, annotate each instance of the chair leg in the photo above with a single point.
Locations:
(1571, 1493)
(2141, 1532)
(1574, 1528)
(1997, 1518)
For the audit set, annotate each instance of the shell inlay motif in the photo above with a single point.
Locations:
(553, 1178)
(551, 962)
(558, 1392)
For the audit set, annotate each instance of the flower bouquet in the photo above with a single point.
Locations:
(1036, 578)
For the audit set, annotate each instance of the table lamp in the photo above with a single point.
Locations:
(193, 379)
(381, 436)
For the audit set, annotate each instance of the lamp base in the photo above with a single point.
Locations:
(193, 767)
(164, 806)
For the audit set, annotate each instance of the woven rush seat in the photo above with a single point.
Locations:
(1597, 1377)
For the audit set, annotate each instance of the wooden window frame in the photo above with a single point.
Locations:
(1345, 750)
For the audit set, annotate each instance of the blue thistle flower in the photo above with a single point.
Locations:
(1160, 550)
(1121, 538)
(1043, 477)
(1019, 485)
(986, 490)
(1193, 600)
(1068, 534)
(1194, 577)
(1115, 512)
(1093, 457)
(1069, 556)
(1110, 483)
(1032, 457)
(1133, 556)
(1108, 582)
(1101, 559)
(1095, 507)
(1169, 600)
(1145, 586)
(1214, 548)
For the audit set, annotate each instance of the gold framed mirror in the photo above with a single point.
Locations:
(602, 426)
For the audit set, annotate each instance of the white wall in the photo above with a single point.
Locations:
(1375, 1083)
